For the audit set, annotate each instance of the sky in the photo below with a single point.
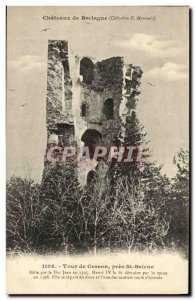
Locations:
(159, 45)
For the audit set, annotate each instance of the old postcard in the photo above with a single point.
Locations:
(98, 150)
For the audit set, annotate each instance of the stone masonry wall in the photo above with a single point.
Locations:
(59, 87)
(67, 91)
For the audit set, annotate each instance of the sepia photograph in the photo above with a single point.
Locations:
(97, 188)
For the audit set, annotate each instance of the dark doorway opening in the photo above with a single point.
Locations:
(65, 134)
(91, 139)
(84, 110)
(86, 70)
(108, 109)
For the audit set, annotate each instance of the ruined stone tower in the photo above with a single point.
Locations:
(88, 101)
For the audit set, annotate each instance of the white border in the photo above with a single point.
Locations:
(5, 3)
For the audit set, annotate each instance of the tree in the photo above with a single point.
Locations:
(137, 219)
(95, 210)
(22, 214)
(179, 203)
(60, 215)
